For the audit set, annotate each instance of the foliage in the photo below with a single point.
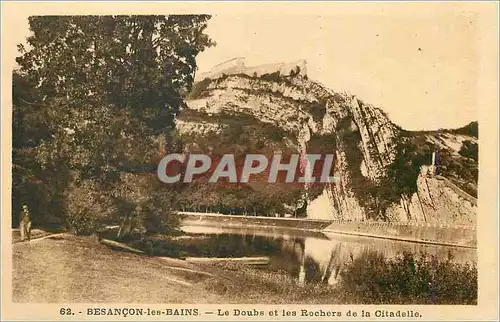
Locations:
(243, 284)
(84, 206)
(200, 89)
(271, 77)
(461, 168)
(94, 103)
(295, 71)
(405, 168)
(409, 279)
(41, 188)
(321, 144)
(241, 134)
(129, 61)
(471, 129)
(469, 149)
(400, 178)
(462, 171)
(158, 212)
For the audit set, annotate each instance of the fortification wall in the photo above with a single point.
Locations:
(453, 235)
(232, 66)
(238, 62)
(283, 68)
(237, 66)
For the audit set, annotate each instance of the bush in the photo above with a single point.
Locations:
(462, 171)
(407, 279)
(469, 149)
(316, 109)
(83, 208)
(155, 246)
(471, 129)
(200, 89)
(82, 223)
(272, 77)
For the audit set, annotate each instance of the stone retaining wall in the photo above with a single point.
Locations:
(420, 232)
(444, 234)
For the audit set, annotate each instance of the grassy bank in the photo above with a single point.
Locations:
(251, 285)
(80, 269)
(408, 279)
(371, 279)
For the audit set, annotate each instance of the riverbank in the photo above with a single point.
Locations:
(69, 269)
(64, 268)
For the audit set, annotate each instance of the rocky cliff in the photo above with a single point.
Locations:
(384, 172)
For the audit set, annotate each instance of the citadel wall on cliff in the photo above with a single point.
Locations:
(237, 65)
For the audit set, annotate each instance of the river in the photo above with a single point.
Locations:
(305, 255)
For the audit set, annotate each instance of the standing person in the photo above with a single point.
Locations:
(25, 224)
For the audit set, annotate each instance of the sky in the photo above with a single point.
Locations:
(420, 69)
(420, 66)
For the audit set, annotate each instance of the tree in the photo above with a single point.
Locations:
(39, 188)
(109, 89)
(469, 149)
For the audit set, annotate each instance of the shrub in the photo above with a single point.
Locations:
(200, 89)
(157, 246)
(469, 149)
(272, 77)
(83, 208)
(408, 279)
(462, 171)
(405, 169)
(471, 129)
(82, 223)
(317, 109)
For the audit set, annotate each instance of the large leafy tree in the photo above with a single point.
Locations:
(108, 88)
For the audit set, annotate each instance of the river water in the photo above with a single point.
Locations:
(306, 255)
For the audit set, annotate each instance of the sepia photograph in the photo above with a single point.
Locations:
(318, 157)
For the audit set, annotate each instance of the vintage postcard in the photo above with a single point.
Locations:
(222, 161)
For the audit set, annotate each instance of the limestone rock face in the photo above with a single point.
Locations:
(199, 128)
(377, 135)
(435, 202)
(366, 140)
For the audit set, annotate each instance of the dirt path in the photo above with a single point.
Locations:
(64, 268)
(67, 268)
(35, 234)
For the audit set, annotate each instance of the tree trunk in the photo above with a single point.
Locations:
(120, 230)
(125, 227)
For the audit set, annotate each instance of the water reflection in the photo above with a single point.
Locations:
(307, 256)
